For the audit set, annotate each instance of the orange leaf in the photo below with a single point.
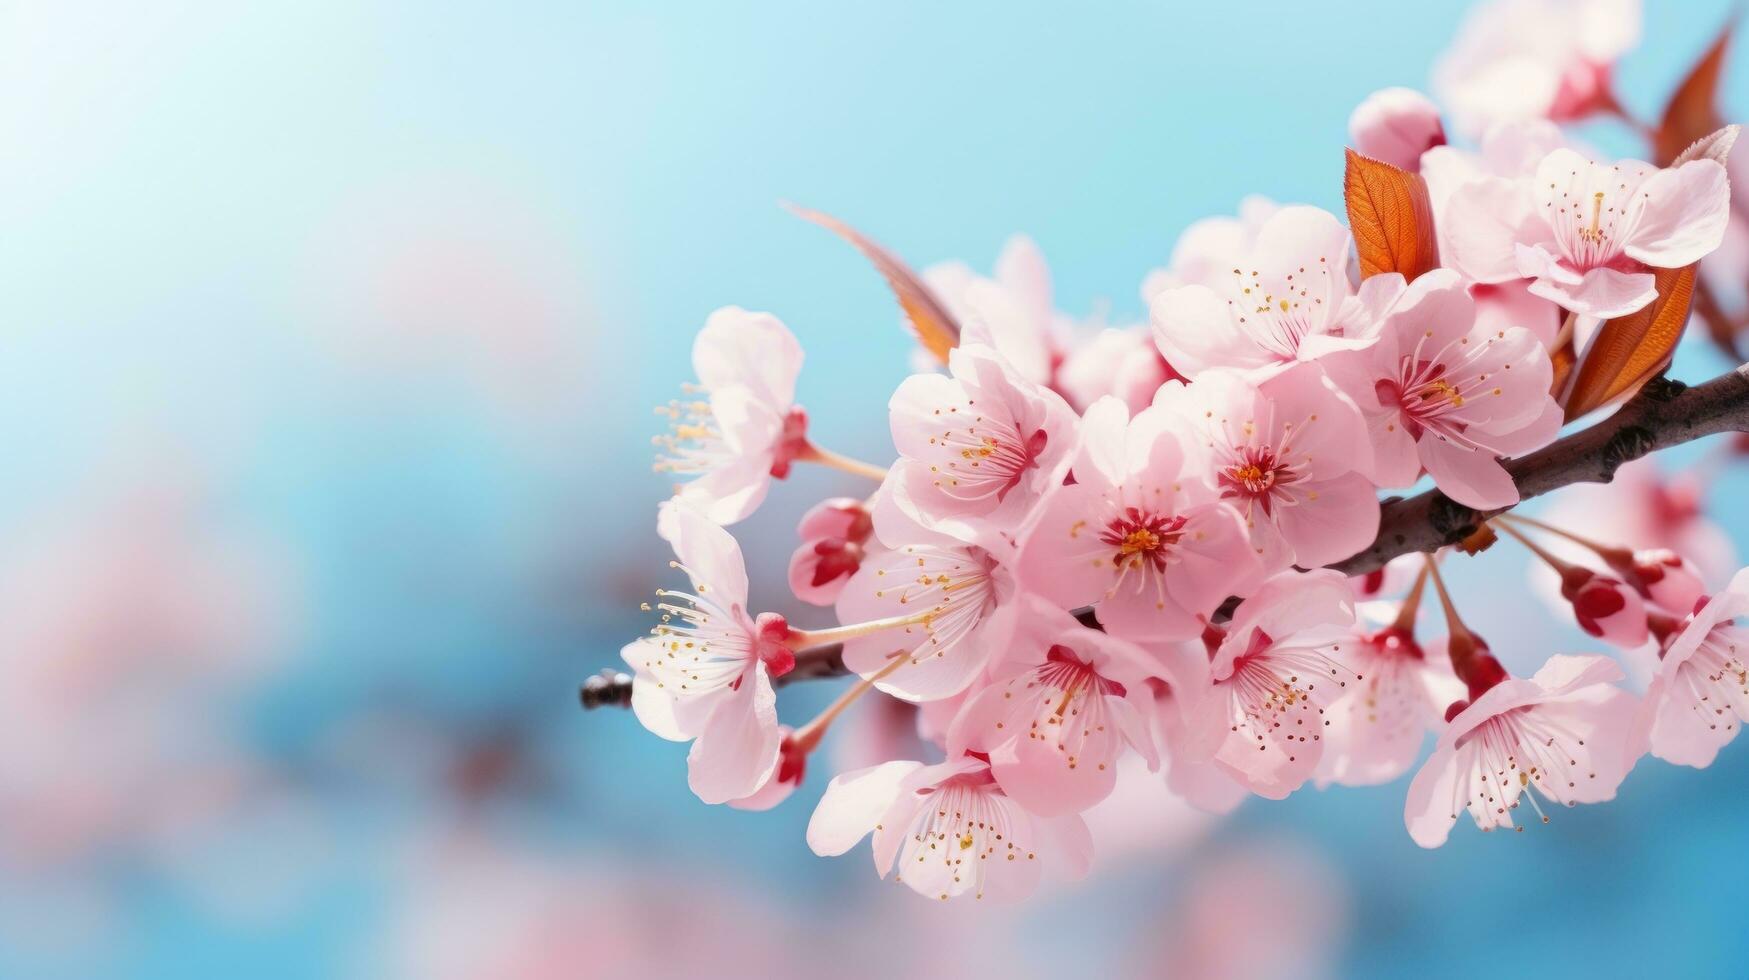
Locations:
(936, 328)
(1562, 357)
(1629, 351)
(1693, 110)
(1391, 217)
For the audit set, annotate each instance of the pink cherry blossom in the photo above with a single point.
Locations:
(1508, 151)
(1396, 125)
(835, 537)
(1287, 300)
(781, 780)
(1290, 455)
(747, 428)
(962, 590)
(978, 448)
(1588, 234)
(1207, 250)
(1525, 59)
(1151, 546)
(1377, 726)
(1605, 606)
(1564, 733)
(1191, 775)
(1276, 671)
(1667, 580)
(950, 829)
(1063, 705)
(1120, 362)
(705, 673)
(1700, 695)
(1010, 312)
(1438, 392)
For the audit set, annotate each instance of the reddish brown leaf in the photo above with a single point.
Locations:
(936, 329)
(1630, 350)
(1563, 359)
(1391, 217)
(1693, 110)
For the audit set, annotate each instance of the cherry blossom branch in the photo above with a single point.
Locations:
(1665, 413)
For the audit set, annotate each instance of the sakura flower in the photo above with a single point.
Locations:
(835, 535)
(781, 780)
(1286, 301)
(1207, 250)
(1377, 726)
(1123, 363)
(1011, 312)
(1396, 125)
(1153, 548)
(1508, 151)
(1199, 780)
(1062, 707)
(1289, 455)
(1437, 392)
(705, 673)
(956, 594)
(978, 448)
(1563, 732)
(1588, 234)
(950, 829)
(1700, 694)
(1605, 606)
(1275, 672)
(747, 429)
(1525, 59)
(1667, 580)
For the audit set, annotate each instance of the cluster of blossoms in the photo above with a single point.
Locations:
(1103, 542)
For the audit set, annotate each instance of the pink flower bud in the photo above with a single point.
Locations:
(1605, 607)
(1396, 125)
(1667, 580)
(834, 535)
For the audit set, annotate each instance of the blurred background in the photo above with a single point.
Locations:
(332, 335)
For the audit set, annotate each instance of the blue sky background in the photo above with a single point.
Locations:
(400, 283)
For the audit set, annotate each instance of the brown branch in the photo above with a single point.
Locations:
(1665, 413)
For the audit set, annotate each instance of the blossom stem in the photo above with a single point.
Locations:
(802, 639)
(1555, 563)
(855, 467)
(1453, 623)
(808, 736)
(1412, 602)
(1601, 549)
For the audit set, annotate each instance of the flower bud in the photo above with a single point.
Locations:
(1605, 607)
(1396, 126)
(1665, 578)
(835, 536)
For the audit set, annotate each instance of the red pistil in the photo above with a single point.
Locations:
(1143, 538)
(792, 444)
